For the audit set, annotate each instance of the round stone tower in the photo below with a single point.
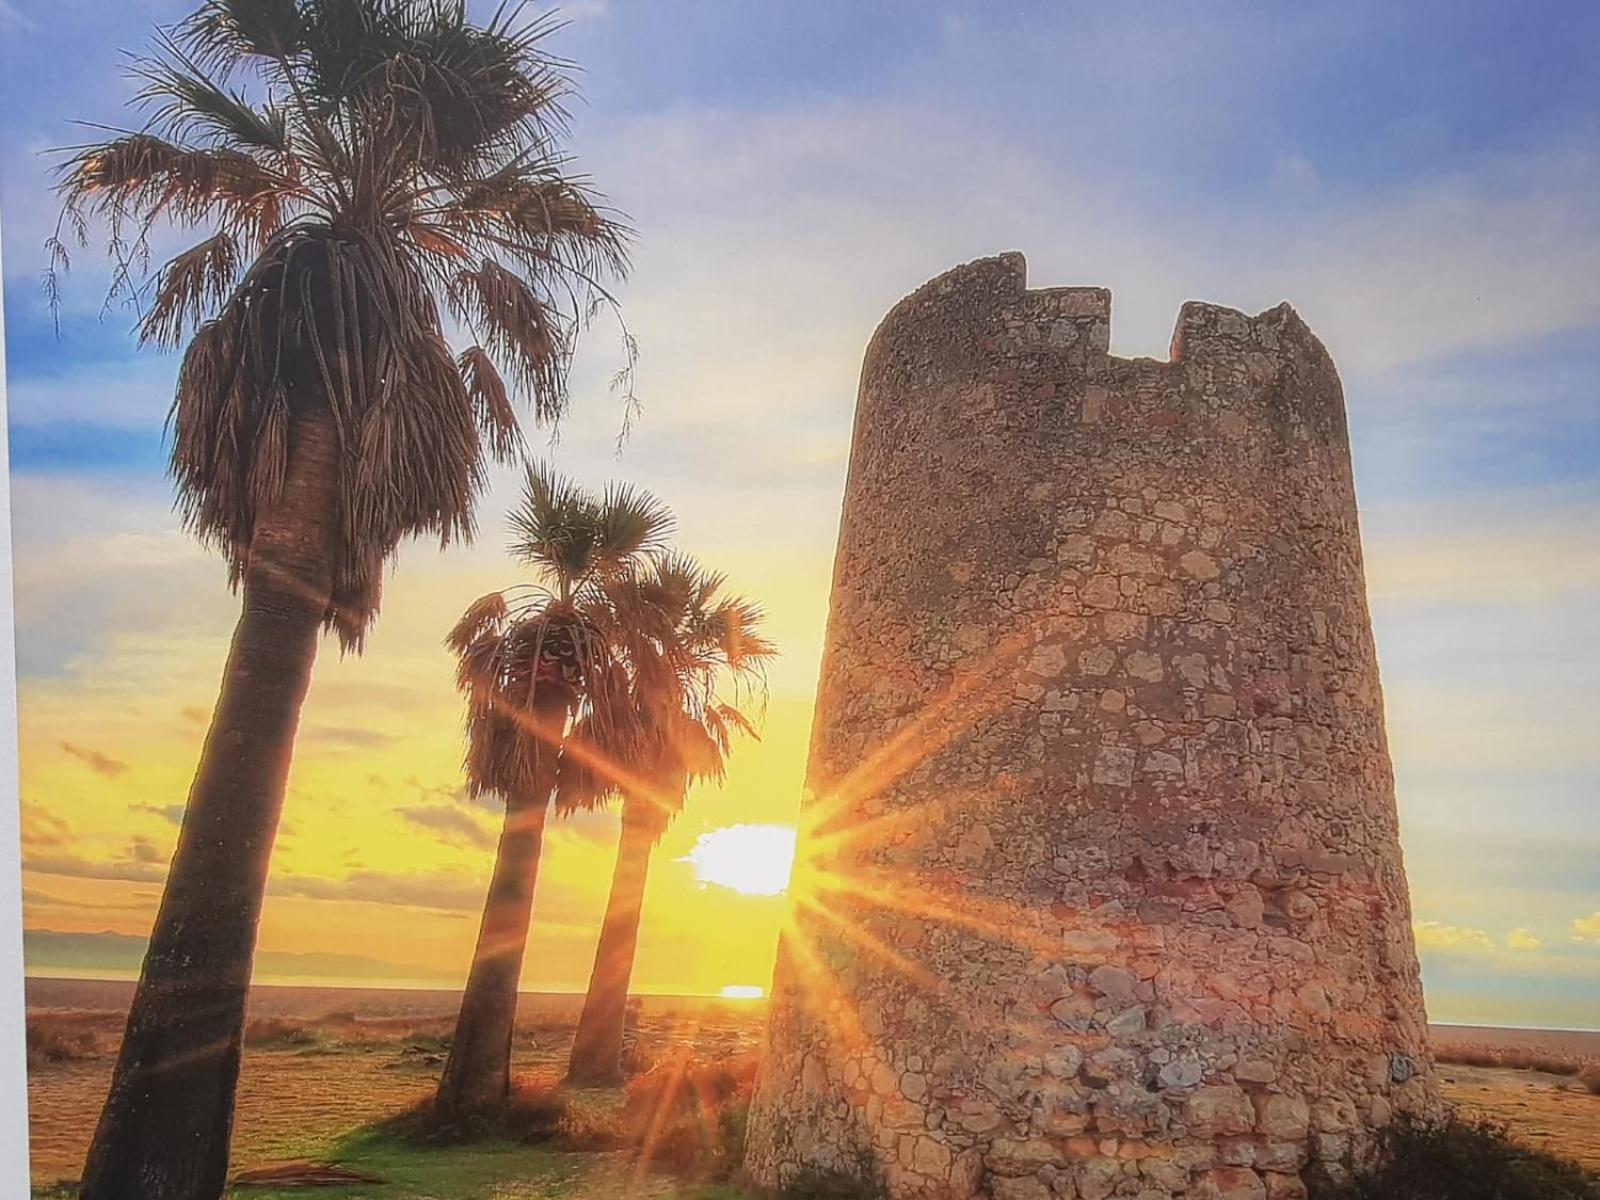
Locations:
(1100, 889)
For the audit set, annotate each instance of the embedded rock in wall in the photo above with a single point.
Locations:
(1100, 891)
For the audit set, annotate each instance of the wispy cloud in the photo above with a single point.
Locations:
(344, 737)
(100, 764)
(41, 828)
(11, 20)
(75, 866)
(451, 824)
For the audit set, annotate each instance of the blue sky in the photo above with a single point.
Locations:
(1418, 180)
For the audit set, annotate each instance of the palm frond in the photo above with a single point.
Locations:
(226, 33)
(551, 527)
(484, 614)
(632, 523)
(356, 165)
(520, 329)
(156, 179)
(191, 285)
(184, 103)
(497, 419)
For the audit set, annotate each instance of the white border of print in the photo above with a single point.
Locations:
(13, 1053)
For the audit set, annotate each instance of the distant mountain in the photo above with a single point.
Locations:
(122, 953)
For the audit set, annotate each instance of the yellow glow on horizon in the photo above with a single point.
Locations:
(754, 860)
(742, 991)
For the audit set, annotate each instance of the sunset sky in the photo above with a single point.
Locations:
(1419, 181)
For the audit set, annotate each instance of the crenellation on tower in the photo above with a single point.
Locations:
(1113, 903)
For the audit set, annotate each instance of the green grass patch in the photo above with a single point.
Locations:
(471, 1172)
(480, 1171)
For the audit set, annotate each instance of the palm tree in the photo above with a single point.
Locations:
(528, 660)
(683, 641)
(354, 164)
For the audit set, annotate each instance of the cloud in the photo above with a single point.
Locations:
(1452, 939)
(1523, 939)
(450, 824)
(444, 891)
(1527, 544)
(83, 868)
(1587, 928)
(138, 901)
(590, 826)
(861, 192)
(344, 737)
(100, 764)
(142, 850)
(108, 951)
(583, 10)
(167, 812)
(41, 827)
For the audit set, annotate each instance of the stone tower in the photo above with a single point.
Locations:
(1101, 892)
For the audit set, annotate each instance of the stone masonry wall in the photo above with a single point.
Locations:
(1101, 892)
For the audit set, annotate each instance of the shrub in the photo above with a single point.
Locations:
(53, 1041)
(277, 1033)
(535, 1112)
(1589, 1078)
(688, 1119)
(1518, 1058)
(1457, 1159)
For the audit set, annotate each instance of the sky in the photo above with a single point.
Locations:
(1418, 180)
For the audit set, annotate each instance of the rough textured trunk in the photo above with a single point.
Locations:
(477, 1074)
(597, 1049)
(163, 1134)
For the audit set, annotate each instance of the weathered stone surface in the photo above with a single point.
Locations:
(1100, 703)
(1220, 1110)
(1229, 1183)
(1019, 1189)
(1287, 1118)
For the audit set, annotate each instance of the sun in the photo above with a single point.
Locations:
(754, 860)
(742, 991)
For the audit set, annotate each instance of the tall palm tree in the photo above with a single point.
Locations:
(530, 659)
(684, 642)
(355, 165)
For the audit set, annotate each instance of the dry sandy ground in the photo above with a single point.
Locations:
(1546, 1110)
(293, 1100)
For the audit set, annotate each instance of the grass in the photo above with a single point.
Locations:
(480, 1171)
(450, 1173)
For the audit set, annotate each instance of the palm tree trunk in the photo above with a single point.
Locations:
(163, 1134)
(477, 1073)
(596, 1059)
